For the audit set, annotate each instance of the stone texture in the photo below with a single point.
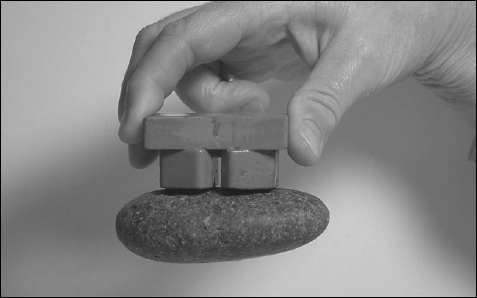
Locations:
(249, 169)
(180, 226)
(215, 131)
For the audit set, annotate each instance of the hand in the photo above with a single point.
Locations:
(341, 51)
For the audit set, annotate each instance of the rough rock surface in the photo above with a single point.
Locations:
(217, 225)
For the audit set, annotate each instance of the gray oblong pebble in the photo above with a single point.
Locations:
(218, 225)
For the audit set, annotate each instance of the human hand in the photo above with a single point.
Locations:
(341, 51)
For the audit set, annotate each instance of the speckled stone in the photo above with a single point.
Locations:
(218, 225)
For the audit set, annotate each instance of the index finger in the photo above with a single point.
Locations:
(201, 37)
(143, 42)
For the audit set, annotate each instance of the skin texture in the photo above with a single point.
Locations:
(215, 55)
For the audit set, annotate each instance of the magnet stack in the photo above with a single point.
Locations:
(201, 151)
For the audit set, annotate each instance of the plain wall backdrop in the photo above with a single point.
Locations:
(394, 175)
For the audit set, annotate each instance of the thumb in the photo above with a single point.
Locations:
(342, 74)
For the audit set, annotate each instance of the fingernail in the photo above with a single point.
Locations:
(124, 115)
(252, 108)
(312, 136)
(132, 152)
(472, 152)
(122, 127)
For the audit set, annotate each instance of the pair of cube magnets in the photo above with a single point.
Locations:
(199, 169)
(197, 149)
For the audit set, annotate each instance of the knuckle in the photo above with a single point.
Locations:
(149, 32)
(324, 104)
(175, 28)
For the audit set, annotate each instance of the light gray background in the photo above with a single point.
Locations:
(394, 175)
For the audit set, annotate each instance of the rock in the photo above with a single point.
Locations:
(217, 225)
